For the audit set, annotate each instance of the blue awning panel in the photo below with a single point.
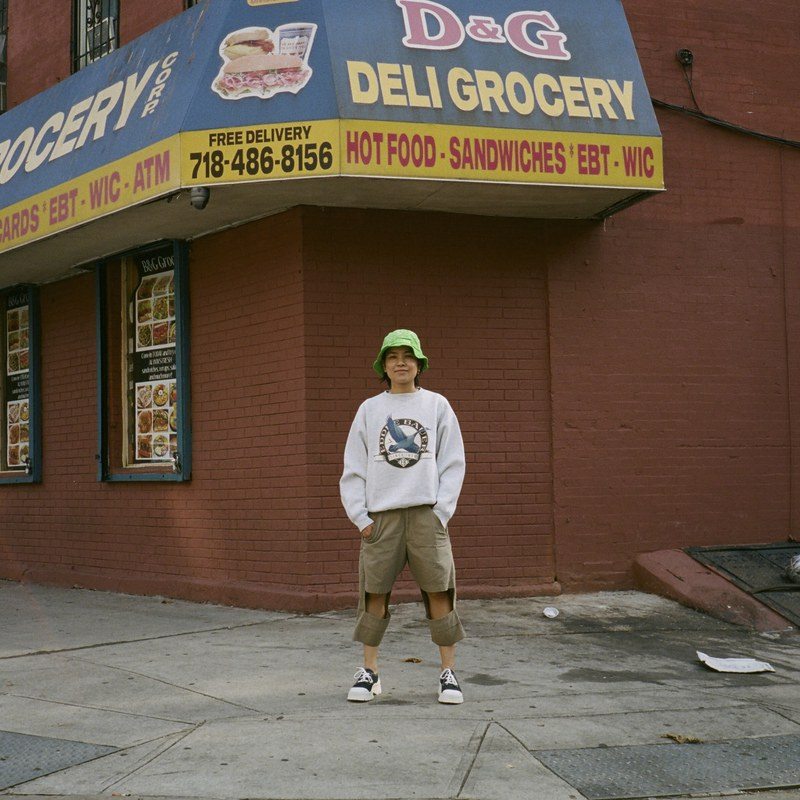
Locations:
(244, 91)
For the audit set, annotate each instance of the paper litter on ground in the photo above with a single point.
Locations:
(735, 664)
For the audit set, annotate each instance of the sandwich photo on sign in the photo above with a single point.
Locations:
(248, 42)
(258, 62)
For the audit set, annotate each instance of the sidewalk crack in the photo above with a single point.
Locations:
(96, 708)
(173, 685)
(97, 645)
(467, 762)
(178, 738)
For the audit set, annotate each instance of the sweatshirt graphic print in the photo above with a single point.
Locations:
(403, 450)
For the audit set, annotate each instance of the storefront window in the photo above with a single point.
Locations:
(143, 318)
(20, 461)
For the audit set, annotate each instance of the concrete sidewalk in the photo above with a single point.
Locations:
(172, 699)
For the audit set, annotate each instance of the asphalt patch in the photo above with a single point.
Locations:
(482, 679)
(586, 675)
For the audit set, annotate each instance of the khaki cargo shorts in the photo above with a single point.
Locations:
(413, 536)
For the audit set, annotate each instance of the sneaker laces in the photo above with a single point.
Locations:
(363, 675)
(448, 678)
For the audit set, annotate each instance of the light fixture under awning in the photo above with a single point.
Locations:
(465, 106)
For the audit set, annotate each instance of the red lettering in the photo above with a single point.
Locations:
(105, 190)
(433, 26)
(364, 147)
(593, 159)
(415, 150)
(638, 161)
(419, 13)
(62, 206)
(162, 167)
(506, 155)
(561, 158)
(551, 41)
(485, 29)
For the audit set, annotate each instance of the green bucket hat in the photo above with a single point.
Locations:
(401, 338)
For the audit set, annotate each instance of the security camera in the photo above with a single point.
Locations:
(199, 197)
(793, 569)
(685, 57)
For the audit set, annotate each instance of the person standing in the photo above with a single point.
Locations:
(403, 471)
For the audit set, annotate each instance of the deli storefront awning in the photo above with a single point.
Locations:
(460, 106)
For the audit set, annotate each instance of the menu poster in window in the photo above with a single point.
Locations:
(17, 380)
(153, 377)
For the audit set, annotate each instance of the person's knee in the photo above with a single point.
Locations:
(439, 604)
(446, 630)
(376, 604)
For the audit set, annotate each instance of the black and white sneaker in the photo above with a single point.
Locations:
(450, 691)
(367, 685)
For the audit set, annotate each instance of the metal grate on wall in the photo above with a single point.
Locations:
(95, 30)
(760, 570)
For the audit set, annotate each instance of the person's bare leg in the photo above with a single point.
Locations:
(376, 605)
(441, 604)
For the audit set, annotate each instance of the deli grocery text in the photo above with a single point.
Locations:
(433, 26)
(489, 91)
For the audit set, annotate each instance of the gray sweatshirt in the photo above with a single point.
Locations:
(403, 450)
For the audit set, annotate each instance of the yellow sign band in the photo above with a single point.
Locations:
(146, 174)
(500, 155)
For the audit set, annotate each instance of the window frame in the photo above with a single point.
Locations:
(182, 473)
(34, 474)
(81, 53)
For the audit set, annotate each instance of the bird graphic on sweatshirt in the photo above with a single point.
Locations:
(402, 441)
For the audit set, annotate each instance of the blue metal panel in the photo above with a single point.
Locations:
(165, 82)
(317, 100)
(133, 70)
(598, 41)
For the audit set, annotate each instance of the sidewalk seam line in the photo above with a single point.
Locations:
(474, 758)
(132, 641)
(97, 708)
(160, 752)
(176, 686)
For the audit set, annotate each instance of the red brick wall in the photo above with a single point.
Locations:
(235, 532)
(286, 317)
(623, 386)
(475, 291)
(248, 417)
(790, 167)
(40, 35)
(668, 324)
(139, 16)
(45, 525)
